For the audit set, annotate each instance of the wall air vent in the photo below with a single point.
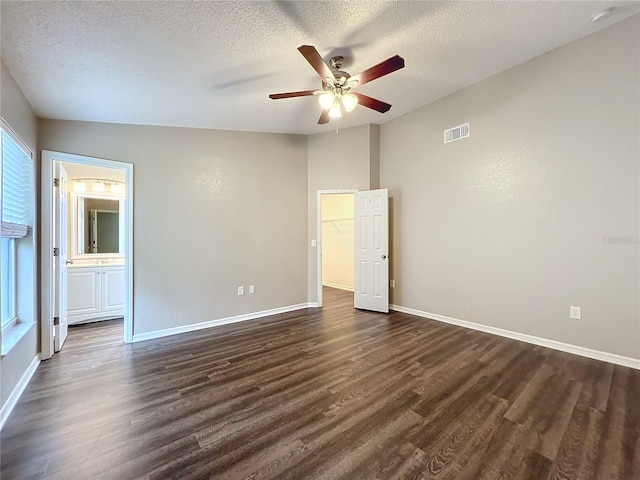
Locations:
(456, 133)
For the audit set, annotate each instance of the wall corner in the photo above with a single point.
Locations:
(374, 156)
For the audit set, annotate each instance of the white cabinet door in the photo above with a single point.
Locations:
(112, 289)
(83, 287)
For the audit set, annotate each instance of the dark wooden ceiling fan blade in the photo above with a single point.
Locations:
(302, 93)
(380, 70)
(324, 117)
(313, 57)
(372, 103)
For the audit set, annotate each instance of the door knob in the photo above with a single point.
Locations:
(383, 256)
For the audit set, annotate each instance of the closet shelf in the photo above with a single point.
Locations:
(345, 222)
(338, 220)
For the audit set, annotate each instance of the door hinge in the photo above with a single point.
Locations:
(56, 251)
(56, 321)
(56, 182)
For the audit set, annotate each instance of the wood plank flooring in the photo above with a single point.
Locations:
(332, 393)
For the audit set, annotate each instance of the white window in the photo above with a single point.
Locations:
(17, 218)
(8, 281)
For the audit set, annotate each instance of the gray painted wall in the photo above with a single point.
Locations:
(16, 111)
(537, 210)
(212, 210)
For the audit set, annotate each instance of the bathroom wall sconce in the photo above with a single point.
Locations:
(97, 185)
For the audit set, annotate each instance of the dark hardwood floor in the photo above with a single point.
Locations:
(331, 393)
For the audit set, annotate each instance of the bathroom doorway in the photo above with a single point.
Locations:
(85, 277)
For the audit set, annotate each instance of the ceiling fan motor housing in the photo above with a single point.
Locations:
(336, 65)
(336, 62)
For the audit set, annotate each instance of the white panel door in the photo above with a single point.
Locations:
(60, 261)
(112, 289)
(371, 289)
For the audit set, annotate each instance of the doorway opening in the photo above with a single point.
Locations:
(335, 247)
(87, 240)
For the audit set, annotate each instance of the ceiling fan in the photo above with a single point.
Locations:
(337, 85)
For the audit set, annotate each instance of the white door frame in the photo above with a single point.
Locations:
(319, 233)
(46, 296)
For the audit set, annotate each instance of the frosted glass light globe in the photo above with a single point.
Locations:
(349, 101)
(335, 111)
(326, 100)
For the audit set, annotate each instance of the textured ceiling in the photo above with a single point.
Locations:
(213, 64)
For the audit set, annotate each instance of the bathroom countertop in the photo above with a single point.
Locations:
(94, 263)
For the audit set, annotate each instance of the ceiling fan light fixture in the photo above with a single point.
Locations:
(334, 96)
(326, 100)
(349, 101)
(335, 111)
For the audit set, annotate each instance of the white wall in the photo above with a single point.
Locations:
(537, 210)
(212, 210)
(337, 240)
(16, 111)
(77, 170)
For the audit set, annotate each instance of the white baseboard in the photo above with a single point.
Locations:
(338, 286)
(543, 342)
(11, 402)
(312, 304)
(214, 323)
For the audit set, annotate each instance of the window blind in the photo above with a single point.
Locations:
(17, 189)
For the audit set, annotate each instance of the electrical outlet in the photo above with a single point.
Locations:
(392, 283)
(314, 243)
(240, 291)
(575, 313)
(252, 289)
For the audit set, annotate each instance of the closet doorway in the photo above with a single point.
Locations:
(335, 240)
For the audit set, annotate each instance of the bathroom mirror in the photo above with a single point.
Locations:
(98, 226)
